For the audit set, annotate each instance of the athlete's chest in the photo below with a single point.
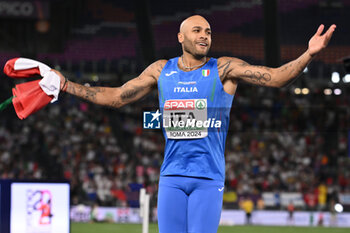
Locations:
(177, 83)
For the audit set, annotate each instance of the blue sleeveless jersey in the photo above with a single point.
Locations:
(202, 91)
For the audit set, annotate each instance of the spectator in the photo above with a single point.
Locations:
(248, 206)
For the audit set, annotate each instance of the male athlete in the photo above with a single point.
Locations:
(192, 174)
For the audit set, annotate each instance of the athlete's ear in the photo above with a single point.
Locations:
(180, 37)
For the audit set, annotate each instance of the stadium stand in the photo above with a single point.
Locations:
(278, 142)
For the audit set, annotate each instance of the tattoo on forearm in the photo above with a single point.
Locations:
(88, 93)
(291, 72)
(295, 68)
(257, 77)
(287, 66)
(299, 67)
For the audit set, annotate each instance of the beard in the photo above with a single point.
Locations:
(191, 49)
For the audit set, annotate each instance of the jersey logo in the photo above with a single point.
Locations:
(221, 189)
(187, 83)
(185, 89)
(171, 73)
(179, 104)
(205, 73)
(200, 104)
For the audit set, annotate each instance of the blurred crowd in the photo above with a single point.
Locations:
(277, 142)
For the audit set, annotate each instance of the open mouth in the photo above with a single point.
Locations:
(202, 44)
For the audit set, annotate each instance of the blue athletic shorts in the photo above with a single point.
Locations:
(189, 205)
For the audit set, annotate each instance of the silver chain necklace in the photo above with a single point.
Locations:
(191, 67)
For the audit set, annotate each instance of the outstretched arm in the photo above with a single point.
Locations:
(236, 69)
(117, 97)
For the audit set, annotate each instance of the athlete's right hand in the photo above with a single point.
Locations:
(62, 79)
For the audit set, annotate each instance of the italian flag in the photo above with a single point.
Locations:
(205, 73)
(28, 97)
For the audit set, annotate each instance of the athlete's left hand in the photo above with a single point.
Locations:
(318, 41)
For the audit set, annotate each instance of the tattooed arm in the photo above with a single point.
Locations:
(235, 69)
(117, 97)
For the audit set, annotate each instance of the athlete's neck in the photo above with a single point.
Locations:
(190, 62)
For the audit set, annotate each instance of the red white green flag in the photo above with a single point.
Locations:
(205, 73)
(28, 97)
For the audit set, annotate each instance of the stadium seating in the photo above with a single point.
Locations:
(278, 141)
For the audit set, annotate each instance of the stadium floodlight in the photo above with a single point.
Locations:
(346, 78)
(335, 77)
(305, 91)
(338, 207)
(337, 91)
(297, 91)
(327, 91)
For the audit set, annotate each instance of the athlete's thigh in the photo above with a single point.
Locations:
(204, 209)
(172, 209)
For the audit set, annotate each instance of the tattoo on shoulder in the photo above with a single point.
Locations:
(223, 69)
(243, 63)
(160, 67)
(156, 69)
